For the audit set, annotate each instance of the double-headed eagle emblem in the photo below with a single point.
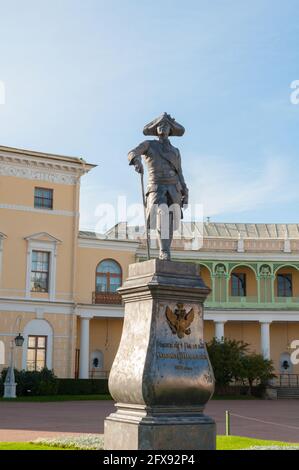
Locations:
(179, 321)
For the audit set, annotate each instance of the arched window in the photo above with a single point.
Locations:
(108, 276)
(238, 284)
(284, 285)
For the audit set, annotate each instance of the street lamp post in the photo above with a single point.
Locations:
(10, 384)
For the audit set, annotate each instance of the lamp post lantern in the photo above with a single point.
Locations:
(19, 340)
(10, 383)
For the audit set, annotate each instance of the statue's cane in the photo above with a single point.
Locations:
(145, 219)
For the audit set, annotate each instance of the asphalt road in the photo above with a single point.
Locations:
(277, 420)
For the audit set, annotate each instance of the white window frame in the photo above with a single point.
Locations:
(38, 327)
(51, 248)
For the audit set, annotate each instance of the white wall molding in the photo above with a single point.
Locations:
(16, 207)
(33, 305)
(100, 311)
(106, 244)
(253, 315)
(109, 311)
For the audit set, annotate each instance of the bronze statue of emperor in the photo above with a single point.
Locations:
(166, 193)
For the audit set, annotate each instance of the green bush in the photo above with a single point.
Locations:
(239, 390)
(256, 369)
(234, 365)
(44, 382)
(82, 386)
(32, 383)
(225, 357)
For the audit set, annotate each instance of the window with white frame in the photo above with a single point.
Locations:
(36, 352)
(43, 198)
(40, 263)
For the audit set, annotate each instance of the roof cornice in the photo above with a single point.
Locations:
(42, 166)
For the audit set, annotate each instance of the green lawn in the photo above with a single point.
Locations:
(223, 443)
(58, 398)
(25, 446)
(238, 442)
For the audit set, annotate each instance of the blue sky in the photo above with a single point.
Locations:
(83, 77)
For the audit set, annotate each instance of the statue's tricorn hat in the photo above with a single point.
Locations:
(175, 128)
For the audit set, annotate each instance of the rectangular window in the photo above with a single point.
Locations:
(40, 271)
(284, 285)
(36, 352)
(43, 198)
(238, 285)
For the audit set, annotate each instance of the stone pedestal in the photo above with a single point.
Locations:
(10, 384)
(161, 377)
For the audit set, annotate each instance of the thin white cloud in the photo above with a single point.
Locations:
(225, 188)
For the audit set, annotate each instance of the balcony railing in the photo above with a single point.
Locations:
(286, 380)
(243, 300)
(106, 298)
(253, 302)
(286, 300)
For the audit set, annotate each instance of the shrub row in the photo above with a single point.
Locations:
(240, 390)
(44, 382)
(82, 386)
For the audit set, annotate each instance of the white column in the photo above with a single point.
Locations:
(219, 330)
(84, 348)
(265, 339)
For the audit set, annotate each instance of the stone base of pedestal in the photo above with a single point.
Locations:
(10, 391)
(132, 429)
(161, 377)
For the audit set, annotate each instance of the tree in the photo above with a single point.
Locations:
(225, 357)
(255, 368)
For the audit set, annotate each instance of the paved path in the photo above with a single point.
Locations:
(28, 421)
(281, 418)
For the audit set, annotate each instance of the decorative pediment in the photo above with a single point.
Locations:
(43, 237)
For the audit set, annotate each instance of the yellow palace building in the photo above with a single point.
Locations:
(58, 284)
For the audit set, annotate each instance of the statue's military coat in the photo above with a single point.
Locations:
(166, 184)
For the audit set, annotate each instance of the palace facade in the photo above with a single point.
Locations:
(58, 284)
